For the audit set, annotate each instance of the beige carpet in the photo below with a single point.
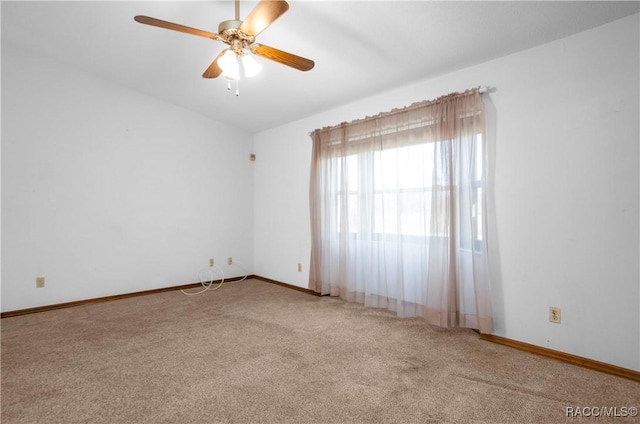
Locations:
(253, 352)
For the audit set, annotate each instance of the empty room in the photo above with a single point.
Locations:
(320, 211)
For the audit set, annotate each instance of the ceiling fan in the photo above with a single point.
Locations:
(241, 36)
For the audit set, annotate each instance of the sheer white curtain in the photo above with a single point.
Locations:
(398, 212)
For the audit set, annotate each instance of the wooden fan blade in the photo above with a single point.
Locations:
(283, 57)
(176, 27)
(213, 71)
(263, 15)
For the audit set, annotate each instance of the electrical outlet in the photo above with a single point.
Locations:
(229, 260)
(299, 267)
(554, 314)
(211, 262)
(39, 282)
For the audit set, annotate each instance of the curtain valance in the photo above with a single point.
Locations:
(426, 121)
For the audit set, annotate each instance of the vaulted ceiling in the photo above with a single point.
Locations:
(359, 47)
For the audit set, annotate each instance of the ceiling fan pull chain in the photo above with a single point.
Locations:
(237, 88)
(229, 85)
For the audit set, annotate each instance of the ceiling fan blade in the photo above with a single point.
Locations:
(176, 27)
(213, 71)
(263, 15)
(285, 58)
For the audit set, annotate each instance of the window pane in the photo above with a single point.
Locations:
(386, 213)
(413, 213)
(479, 156)
(352, 172)
(415, 165)
(386, 169)
(477, 208)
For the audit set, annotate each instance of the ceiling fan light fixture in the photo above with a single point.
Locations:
(251, 67)
(228, 62)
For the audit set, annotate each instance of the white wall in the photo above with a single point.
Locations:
(564, 138)
(105, 191)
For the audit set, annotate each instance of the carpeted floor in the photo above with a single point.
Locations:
(253, 352)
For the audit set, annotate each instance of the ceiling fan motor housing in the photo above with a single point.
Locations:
(229, 32)
(231, 24)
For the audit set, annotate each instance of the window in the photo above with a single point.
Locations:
(403, 186)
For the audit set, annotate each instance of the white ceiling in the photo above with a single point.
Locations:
(360, 48)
